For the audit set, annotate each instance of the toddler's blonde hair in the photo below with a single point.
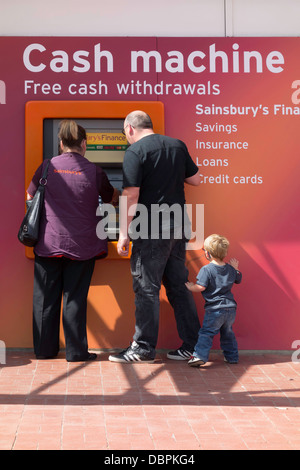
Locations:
(217, 246)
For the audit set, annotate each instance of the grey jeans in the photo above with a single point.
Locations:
(154, 262)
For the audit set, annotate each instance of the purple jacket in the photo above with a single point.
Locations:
(68, 223)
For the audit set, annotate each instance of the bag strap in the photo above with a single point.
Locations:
(43, 180)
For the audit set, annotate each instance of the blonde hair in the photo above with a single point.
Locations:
(217, 246)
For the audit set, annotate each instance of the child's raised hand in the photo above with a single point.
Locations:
(234, 263)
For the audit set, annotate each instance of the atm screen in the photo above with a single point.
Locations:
(106, 144)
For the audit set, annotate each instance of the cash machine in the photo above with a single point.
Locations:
(106, 145)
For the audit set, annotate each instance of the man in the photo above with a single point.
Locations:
(155, 169)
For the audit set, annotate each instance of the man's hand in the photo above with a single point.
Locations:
(123, 246)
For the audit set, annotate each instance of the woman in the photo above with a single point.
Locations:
(68, 245)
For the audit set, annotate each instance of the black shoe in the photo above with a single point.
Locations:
(45, 357)
(231, 362)
(90, 357)
(131, 354)
(179, 354)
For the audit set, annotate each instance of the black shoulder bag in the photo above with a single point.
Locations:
(29, 230)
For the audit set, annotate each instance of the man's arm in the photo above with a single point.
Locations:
(128, 202)
(194, 180)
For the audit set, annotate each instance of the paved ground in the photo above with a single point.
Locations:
(254, 405)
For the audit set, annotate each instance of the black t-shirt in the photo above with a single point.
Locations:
(158, 165)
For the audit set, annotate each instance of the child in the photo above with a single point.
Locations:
(215, 281)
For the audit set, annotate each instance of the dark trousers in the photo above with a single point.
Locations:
(153, 262)
(56, 279)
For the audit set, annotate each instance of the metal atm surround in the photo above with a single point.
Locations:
(38, 111)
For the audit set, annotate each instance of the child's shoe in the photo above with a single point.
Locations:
(196, 362)
(231, 362)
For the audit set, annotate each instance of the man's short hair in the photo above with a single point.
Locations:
(139, 120)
